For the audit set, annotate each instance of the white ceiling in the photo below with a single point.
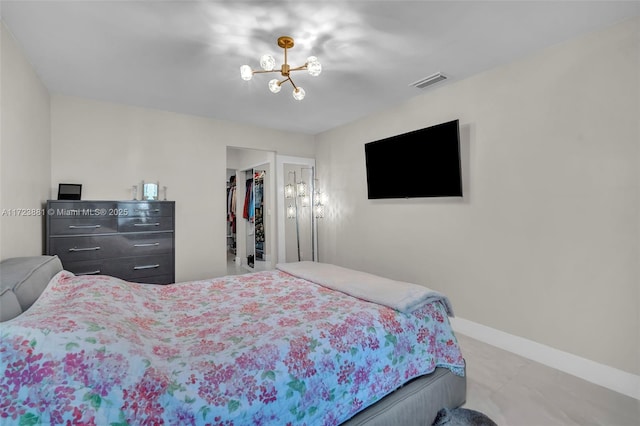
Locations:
(184, 56)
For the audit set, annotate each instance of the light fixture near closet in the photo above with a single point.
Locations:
(319, 200)
(299, 189)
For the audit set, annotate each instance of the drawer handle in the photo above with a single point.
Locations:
(83, 226)
(147, 224)
(84, 249)
(147, 210)
(97, 271)
(137, 268)
(147, 245)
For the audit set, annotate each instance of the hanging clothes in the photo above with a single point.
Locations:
(258, 189)
(233, 208)
(231, 204)
(252, 204)
(247, 211)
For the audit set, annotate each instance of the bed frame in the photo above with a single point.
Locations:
(23, 279)
(417, 402)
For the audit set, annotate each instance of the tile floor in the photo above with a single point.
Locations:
(233, 269)
(515, 391)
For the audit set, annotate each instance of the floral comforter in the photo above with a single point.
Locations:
(262, 348)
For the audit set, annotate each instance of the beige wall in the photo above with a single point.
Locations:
(545, 242)
(25, 152)
(109, 147)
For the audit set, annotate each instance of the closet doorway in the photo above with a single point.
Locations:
(251, 223)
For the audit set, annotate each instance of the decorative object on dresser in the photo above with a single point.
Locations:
(131, 240)
(150, 191)
(69, 191)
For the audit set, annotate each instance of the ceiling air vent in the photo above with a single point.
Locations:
(428, 81)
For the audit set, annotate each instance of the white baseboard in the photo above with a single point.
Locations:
(591, 371)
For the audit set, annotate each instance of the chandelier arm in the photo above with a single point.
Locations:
(280, 83)
(300, 68)
(263, 71)
(293, 84)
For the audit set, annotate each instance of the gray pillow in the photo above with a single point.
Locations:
(22, 280)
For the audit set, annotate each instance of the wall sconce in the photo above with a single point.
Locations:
(319, 199)
(304, 195)
(302, 189)
(289, 191)
(318, 202)
(291, 212)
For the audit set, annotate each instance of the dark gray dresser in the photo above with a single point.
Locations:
(131, 240)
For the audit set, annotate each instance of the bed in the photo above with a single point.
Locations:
(297, 345)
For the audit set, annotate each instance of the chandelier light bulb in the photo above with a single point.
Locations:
(267, 62)
(245, 72)
(298, 94)
(274, 86)
(314, 67)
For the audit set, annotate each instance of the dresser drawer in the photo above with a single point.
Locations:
(146, 209)
(90, 247)
(159, 279)
(145, 224)
(132, 268)
(126, 268)
(86, 267)
(83, 225)
(135, 244)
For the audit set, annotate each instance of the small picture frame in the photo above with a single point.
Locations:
(69, 191)
(150, 191)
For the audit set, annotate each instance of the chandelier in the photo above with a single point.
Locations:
(268, 63)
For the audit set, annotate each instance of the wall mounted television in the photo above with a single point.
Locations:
(421, 163)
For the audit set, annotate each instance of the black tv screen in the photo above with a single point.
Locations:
(421, 163)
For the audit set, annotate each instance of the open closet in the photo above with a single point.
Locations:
(278, 227)
(251, 240)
